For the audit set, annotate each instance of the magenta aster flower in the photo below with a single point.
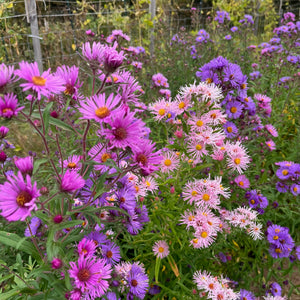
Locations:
(125, 129)
(86, 248)
(89, 276)
(94, 54)
(18, 197)
(242, 181)
(43, 84)
(3, 132)
(72, 162)
(71, 181)
(112, 59)
(25, 165)
(98, 108)
(9, 106)
(6, 76)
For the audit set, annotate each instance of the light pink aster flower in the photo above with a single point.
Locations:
(43, 84)
(271, 145)
(161, 249)
(170, 162)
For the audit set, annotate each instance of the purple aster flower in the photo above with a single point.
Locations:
(234, 29)
(3, 132)
(277, 252)
(252, 196)
(126, 199)
(111, 253)
(25, 164)
(271, 145)
(234, 109)
(112, 59)
(98, 238)
(69, 76)
(145, 155)
(89, 275)
(293, 59)
(281, 187)
(6, 76)
(18, 197)
(125, 129)
(86, 248)
(9, 106)
(246, 295)
(138, 282)
(242, 181)
(297, 252)
(222, 257)
(272, 130)
(231, 130)
(221, 16)
(263, 201)
(295, 189)
(71, 181)
(228, 37)
(295, 170)
(283, 173)
(43, 84)
(255, 75)
(99, 108)
(35, 223)
(160, 80)
(275, 289)
(233, 74)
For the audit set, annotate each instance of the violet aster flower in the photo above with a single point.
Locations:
(221, 16)
(71, 181)
(233, 74)
(43, 84)
(277, 252)
(295, 189)
(98, 107)
(234, 109)
(90, 275)
(230, 129)
(283, 173)
(125, 129)
(160, 80)
(281, 187)
(246, 295)
(25, 164)
(6, 76)
(3, 132)
(228, 37)
(138, 282)
(35, 223)
(9, 106)
(275, 289)
(97, 237)
(111, 253)
(234, 29)
(18, 197)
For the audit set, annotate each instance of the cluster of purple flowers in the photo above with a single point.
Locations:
(257, 200)
(248, 20)
(281, 243)
(222, 16)
(289, 175)
(202, 36)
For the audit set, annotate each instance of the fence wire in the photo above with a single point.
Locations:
(62, 26)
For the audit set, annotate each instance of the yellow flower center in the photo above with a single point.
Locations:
(168, 162)
(205, 197)
(233, 109)
(105, 157)
(161, 112)
(6, 110)
(102, 112)
(161, 249)
(38, 80)
(181, 105)
(198, 147)
(285, 172)
(229, 129)
(204, 234)
(209, 80)
(194, 193)
(237, 161)
(199, 123)
(275, 237)
(72, 165)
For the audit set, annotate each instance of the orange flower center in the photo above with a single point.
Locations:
(71, 165)
(120, 133)
(102, 112)
(205, 197)
(285, 172)
(209, 80)
(233, 109)
(204, 234)
(181, 105)
(198, 147)
(194, 193)
(241, 183)
(237, 161)
(38, 80)
(199, 123)
(161, 249)
(109, 254)
(161, 112)
(168, 162)
(6, 110)
(229, 129)
(105, 157)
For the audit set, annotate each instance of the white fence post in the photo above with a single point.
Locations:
(30, 7)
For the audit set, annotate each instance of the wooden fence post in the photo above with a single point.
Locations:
(152, 10)
(30, 7)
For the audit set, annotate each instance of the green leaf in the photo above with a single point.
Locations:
(12, 240)
(67, 224)
(37, 164)
(10, 294)
(29, 291)
(157, 266)
(46, 116)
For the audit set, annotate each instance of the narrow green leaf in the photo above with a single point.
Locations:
(46, 116)
(37, 164)
(67, 224)
(10, 294)
(157, 266)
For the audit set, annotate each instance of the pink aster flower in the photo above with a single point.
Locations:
(160, 80)
(94, 54)
(137, 64)
(86, 248)
(125, 129)
(272, 130)
(271, 145)
(9, 106)
(43, 84)
(112, 59)
(18, 197)
(161, 249)
(6, 76)
(25, 164)
(242, 181)
(90, 276)
(72, 162)
(99, 108)
(100, 154)
(161, 108)
(170, 162)
(71, 181)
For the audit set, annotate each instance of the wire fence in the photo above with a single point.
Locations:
(62, 25)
